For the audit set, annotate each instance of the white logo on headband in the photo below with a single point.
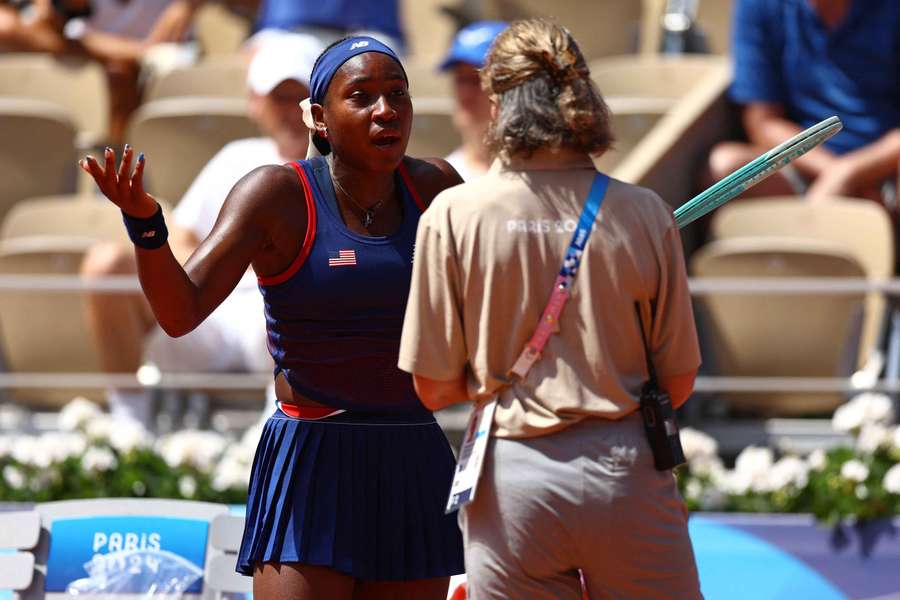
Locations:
(361, 44)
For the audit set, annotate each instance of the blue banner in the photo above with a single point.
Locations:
(124, 545)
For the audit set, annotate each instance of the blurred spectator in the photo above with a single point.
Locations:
(797, 62)
(472, 111)
(330, 21)
(125, 36)
(233, 338)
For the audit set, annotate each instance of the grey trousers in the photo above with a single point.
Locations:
(584, 499)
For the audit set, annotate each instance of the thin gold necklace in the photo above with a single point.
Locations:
(368, 213)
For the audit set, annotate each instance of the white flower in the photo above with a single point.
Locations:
(7, 442)
(96, 460)
(861, 492)
(871, 437)
(77, 413)
(697, 444)
(854, 470)
(28, 451)
(736, 483)
(198, 449)
(707, 466)
(789, 471)
(102, 427)
(895, 437)
(14, 477)
(60, 445)
(250, 439)
(863, 409)
(49, 448)
(752, 467)
(892, 480)
(187, 486)
(817, 460)
(693, 489)
(129, 435)
(233, 471)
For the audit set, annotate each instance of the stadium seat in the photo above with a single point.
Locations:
(53, 541)
(652, 76)
(218, 78)
(779, 335)
(433, 29)
(668, 157)
(861, 227)
(87, 216)
(225, 534)
(78, 87)
(50, 236)
(37, 152)
(714, 21)
(32, 341)
(425, 81)
(631, 120)
(433, 133)
(180, 135)
(219, 30)
(602, 28)
(21, 533)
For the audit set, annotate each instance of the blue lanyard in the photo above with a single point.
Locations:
(549, 323)
(583, 230)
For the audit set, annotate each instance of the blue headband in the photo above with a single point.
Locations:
(335, 56)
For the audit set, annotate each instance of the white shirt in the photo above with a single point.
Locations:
(458, 161)
(233, 337)
(199, 207)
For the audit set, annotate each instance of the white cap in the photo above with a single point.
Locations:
(282, 57)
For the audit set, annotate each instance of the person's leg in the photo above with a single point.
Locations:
(119, 324)
(516, 543)
(634, 539)
(727, 157)
(420, 589)
(294, 581)
(122, 77)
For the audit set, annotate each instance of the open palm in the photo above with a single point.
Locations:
(123, 188)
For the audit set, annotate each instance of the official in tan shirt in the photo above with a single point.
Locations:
(568, 482)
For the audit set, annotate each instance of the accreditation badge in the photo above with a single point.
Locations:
(471, 456)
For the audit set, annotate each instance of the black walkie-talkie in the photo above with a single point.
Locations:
(659, 416)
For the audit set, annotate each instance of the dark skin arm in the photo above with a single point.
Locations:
(262, 224)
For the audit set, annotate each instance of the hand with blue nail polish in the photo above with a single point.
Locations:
(121, 186)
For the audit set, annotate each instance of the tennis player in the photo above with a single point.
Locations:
(351, 473)
(569, 482)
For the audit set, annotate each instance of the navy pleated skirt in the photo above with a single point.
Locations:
(363, 494)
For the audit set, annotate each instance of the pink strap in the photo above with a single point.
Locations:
(548, 325)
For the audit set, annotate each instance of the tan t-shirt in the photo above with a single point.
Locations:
(487, 255)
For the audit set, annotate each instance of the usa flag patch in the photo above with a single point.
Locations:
(342, 258)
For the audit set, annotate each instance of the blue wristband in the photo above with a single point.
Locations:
(149, 233)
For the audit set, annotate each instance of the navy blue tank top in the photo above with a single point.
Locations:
(334, 317)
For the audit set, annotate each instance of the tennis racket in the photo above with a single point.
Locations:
(755, 171)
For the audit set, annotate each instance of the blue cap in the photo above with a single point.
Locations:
(335, 56)
(470, 46)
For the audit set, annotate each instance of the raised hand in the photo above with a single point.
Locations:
(123, 188)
